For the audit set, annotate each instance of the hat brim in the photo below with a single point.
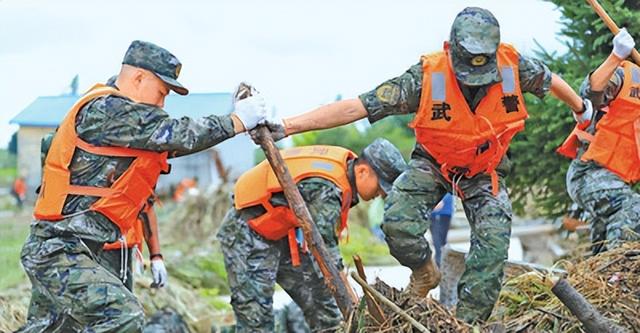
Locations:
(174, 85)
(476, 76)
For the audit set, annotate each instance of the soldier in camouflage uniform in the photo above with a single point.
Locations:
(120, 261)
(472, 51)
(613, 205)
(71, 291)
(254, 264)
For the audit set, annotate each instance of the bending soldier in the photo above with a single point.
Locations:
(260, 241)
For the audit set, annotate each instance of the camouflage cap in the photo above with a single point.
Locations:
(386, 161)
(474, 40)
(157, 60)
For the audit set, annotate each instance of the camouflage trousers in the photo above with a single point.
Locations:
(406, 220)
(613, 205)
(112, 261)
(72, 292)
(254, 265)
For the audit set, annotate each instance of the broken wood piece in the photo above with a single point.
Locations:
(592, 320)
(395, 308)
(373, 306)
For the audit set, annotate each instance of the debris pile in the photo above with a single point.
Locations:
(428, 312)
(610, 281)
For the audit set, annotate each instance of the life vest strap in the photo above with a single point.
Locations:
(293, 247)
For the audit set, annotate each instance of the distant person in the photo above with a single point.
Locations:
(19, 191)
(185, 187)
(440, 224)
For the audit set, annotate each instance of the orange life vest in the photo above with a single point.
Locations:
(133, 237)
(256, 186)
(616, 143)
(461, 141)
(121, 202)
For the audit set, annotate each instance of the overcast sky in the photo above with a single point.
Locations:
(299, 54)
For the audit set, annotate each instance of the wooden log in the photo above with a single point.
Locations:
(373, 306)
(395, 308)
(338, 288)
(592, 320)
(613, 27)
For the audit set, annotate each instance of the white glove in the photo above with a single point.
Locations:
(585, 116)
(250, 111)
(159, 272)
(623, 44)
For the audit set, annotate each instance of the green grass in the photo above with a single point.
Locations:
(14, 232)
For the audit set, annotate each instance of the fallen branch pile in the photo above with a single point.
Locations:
(428, 312)
(609, 281)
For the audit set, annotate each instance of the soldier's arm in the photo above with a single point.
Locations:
(150, 230)
(116, 121)
(400, 95)
(537, 79)
(605, 94)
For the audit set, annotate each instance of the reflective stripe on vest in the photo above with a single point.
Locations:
(123, 200)
(463, 141)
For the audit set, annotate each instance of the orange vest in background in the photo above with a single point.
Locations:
(616, 144)
(256, 186)
(460, 140)
(20, 187)
(121, 202)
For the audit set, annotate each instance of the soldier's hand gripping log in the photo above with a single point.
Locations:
(339, 288)
(635, 55)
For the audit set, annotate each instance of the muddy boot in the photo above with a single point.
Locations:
(423, 279)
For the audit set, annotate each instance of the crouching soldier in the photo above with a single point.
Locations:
(261, 242)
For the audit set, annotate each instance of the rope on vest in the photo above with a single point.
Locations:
(124, 258)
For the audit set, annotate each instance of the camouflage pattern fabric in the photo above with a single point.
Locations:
(112, 261)
(254, 265)
(158, 60)
(406, 220)
(166, 321)
(474, 40)
(290, 319)
(71, 292)
(614, 206)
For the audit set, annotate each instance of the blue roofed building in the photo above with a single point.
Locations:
(44, 114)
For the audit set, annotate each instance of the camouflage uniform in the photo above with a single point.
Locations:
(613, 205)
(254, 264)
(420, 188)
(71, 291)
